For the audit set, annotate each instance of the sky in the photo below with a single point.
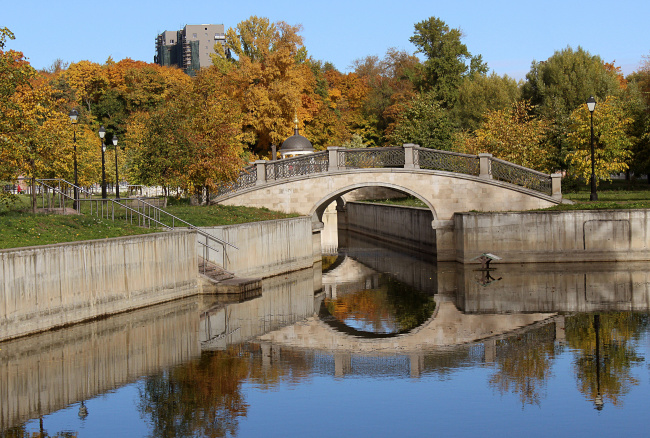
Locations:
(508, 34)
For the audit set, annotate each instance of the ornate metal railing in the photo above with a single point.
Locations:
(531, 179)
(303, 165)
(411, 157)
(371, 158)
(247, 178)
(448, 161)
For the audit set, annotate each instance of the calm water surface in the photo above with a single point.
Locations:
(372, 343)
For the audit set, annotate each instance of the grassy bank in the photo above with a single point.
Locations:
(212, 215)
(20, 228)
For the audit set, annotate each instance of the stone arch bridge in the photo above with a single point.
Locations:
(446, 182)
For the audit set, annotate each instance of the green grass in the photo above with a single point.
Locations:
(404, 202)
(20, 228)
(204, 216)
(607, 200)
(612, 195)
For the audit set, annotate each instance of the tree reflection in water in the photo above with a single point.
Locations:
(200, 398)
(605, 353)
(392, 307)
(204, 396)
(524, 363)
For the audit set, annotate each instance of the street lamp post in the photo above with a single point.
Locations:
(74, 115)
(102, 133)
(117, 178)
(591, 105)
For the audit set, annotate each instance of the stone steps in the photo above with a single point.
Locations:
(213, 271)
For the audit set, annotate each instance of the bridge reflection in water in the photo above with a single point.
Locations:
(282, 332)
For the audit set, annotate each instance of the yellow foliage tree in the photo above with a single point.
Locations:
(267, 76)
(88, 80)
(512, 135)
(612, 141)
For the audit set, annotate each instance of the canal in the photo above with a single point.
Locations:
(373, 341)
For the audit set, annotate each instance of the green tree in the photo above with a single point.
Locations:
(638, 94)
(564, 81)
(447, 59)
(424, 122)
(478, 94)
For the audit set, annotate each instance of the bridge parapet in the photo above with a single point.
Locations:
(409, 156)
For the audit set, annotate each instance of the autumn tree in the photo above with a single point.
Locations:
(612, 141)
(32, 121)
(88, 80)
(391, 88)
(203, 397)
(268, 76)
(523, 364)
(338, 102)
(513, 135)
(193, 141)
(15, 75)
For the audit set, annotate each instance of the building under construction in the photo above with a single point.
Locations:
(189, 48)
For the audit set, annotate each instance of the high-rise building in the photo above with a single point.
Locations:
(189, 48)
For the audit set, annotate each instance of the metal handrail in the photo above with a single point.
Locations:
(198, 230)
(141, 214)
(126, 207)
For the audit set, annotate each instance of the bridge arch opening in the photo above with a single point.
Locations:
(336, 196)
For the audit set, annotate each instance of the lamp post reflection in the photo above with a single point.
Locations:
(598, 401)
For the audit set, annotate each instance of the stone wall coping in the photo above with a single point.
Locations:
(268, 222)
(94, 241)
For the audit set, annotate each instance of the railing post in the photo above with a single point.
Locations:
(485, 171)
(260, 168)
(556, 185)
(333, 158)
(409, 156)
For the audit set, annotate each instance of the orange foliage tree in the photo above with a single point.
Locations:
(267, 76)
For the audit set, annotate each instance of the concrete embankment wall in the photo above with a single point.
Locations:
(554, 236)
(50, 286)
(407, 227)
(516, 237)
(266, 248)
